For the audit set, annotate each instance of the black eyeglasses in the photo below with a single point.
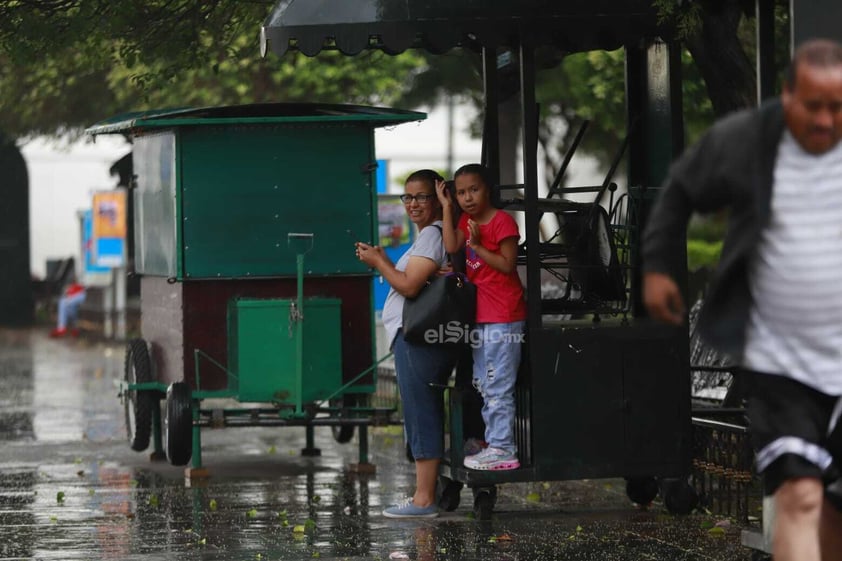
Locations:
(421, 198)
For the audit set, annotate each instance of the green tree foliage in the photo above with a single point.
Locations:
(591, 86)
(65, 64)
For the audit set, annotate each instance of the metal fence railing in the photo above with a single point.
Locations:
(386, 392)
(723, 469)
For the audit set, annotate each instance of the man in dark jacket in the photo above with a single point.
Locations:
(776, 303)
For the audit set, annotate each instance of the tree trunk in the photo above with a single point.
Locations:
(16, 302)
(728, 73)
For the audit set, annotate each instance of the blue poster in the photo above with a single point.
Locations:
(381, 177)
(88, 246)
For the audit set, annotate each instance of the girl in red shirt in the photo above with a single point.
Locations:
(490, 238)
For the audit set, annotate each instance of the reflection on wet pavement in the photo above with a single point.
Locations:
(70, 488)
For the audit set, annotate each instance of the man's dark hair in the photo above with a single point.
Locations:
(819, 53)
(426, 176)
(478, 169)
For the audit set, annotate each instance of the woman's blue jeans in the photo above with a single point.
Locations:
(417, 366)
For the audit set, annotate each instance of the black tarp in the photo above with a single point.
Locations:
(350, 26)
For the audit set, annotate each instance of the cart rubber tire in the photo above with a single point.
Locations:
(679, 496)
(449, 493)
(138, 404)
(342, 434)
(484, 500)
(178, 424)
(641, 490)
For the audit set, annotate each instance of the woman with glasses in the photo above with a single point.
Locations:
(417, 365)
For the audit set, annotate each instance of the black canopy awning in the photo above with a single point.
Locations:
(350, 26)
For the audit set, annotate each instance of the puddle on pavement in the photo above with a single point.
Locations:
(74, 511)
(70, 489)
(117, 512)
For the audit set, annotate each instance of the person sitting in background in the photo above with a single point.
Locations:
(68, 310)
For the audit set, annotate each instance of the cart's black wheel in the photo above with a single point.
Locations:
(679, 496)
(138, 403)
(449, 493)
(178, 424)
(641, 490)
(342, 433)
(484, 500)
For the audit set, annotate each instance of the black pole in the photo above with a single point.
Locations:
(530, 181)
(491, 121)
(766, 72)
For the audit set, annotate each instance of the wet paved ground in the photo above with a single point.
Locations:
(70, 488)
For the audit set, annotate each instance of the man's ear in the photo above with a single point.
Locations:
(786, 94)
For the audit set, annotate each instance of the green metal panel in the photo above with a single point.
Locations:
(262, 349)
(245, 188)
(156, 239)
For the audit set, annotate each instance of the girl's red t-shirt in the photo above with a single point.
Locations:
(499, 295)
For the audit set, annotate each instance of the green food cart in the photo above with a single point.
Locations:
(244, 219)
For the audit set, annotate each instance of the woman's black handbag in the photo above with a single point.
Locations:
(443, 312)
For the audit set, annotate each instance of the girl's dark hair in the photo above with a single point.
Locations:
(477, 169)
(426, 176)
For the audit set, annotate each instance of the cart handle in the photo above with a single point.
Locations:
(300, 242)
(196, 353)
(357, 377)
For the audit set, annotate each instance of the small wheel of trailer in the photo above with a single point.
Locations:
(178, 424)
(484, 500)
(448, 493)
(342, 434)
(679, 496)
(138, 404)
(641, 490)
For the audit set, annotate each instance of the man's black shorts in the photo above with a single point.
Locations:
(789, 427)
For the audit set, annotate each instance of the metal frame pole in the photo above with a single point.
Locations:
(530, 181)
(491, 123)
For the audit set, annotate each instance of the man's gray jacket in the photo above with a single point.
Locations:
(731, 166)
